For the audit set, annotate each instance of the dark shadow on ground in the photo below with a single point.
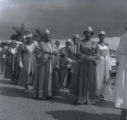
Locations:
(63, 100)
(106, 104)
(63, 97)
(7, 82)
(13, 92)
(80, 115)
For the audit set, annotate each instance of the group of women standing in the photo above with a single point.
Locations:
(37, 63)
(91, 69)
(82, 66)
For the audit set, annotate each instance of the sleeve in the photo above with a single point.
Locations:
(19, 56)
(62, 53)
(37, 51)
(97, 52)
(78, 52)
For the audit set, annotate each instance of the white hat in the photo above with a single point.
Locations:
(102, 33)
(47, 31)
(24, 36)
(76, 36)
(30, 35)
(90, 29)
(69, 40)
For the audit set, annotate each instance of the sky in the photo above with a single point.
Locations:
(64, 18)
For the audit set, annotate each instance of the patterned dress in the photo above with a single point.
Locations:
(27, 60)
(46, 82)
(83, 83)
(11, 55)
(66, 60)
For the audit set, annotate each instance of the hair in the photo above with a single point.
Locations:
(100, 35)
(86, 31)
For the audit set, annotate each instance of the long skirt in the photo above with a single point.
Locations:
(102, 74)
(8, 69)
(25, 78)
(46, 83)
(1, 64)
(8, 72)
(16, 73)
(83, 82)
(27, 73)
(65, 75)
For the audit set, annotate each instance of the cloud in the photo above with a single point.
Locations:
(64, 17)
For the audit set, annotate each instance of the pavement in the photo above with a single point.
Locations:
(15, 104)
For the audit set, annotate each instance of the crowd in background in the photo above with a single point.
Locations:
(43, 68)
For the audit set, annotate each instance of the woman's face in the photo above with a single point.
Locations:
(28, 40)
(68, 44)
(75, 40)
(88, 35)
(57, 43)
(24, 40)
(101, 37)
(47, 37)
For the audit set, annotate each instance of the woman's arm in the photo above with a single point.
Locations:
(19, 56)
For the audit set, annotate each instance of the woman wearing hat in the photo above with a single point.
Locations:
(66, 64)
(74, 83)
(46, 82)
(26, 61)
(103, 65)
(11, 54)
(84, 91)
(1, 59)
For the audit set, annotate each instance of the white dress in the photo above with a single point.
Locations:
(121, 80)
(103, 67)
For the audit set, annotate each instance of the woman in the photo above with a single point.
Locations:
(27, 62)
(9, 71)
(77, 57)
(1, 60)
(58, 45)
(66, 64)
(83, 87)
(121, 80)
(46, 82)
(103, 66)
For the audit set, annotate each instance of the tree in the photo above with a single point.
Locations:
(20, 31)
(14, 37)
